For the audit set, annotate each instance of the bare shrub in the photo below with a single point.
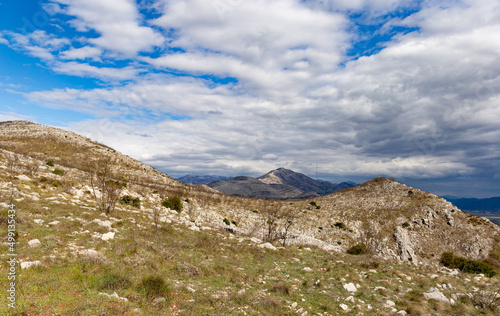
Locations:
(105, 188)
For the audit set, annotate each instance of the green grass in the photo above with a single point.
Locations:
(202, 273)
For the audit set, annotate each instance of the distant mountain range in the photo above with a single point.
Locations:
(192, 179)
(278, 184)
(471, 205)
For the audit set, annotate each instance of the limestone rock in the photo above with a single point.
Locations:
(435, 294)
(403, 243)
(268, 246)
(29, 264)
(34, 243)
(350, 287)
(114, 295)
(343, 307)
(108, 236)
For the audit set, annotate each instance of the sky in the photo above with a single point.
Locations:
(347, 89)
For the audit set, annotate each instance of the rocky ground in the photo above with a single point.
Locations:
(212, 258)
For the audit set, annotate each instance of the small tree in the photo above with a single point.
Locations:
(102, 182)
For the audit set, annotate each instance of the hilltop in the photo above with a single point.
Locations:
(373, 249)
(278, 184)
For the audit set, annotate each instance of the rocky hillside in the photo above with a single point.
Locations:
(278, 184)
(218, 254)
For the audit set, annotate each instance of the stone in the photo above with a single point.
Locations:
(105, 223)
(402, 313)
(158, 300)
(294, 305)
(114, 295)
(54, 223)
(350, 287)
(389, 303)
(268, 246)
(343, 307)
(350, 299)
(435, 294)
(256, 240)
(34, 243)
(39, 221)
(403, 243)
(24, 178)
(108, 236)
(29, 264)
(307, 269)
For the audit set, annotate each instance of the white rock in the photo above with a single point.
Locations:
(91, 253)
(39, 221)
(105, 223)
(268, 246)
(190, 289)
(54, 223)
(350, 299)
(402, 313)
(22, 177)
(343, 307)
(350, 287)
(194, 228)
(108, 236)
(294, 305)
(256, 240)
(34, 243)
(389, 303)
(114, 295)
(29, 264)
(435, 294)
(307, 269)
(158, 300)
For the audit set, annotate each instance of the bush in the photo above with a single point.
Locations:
(114, 281)
(128, 200)
(58, 172)
(406, 225)
(359, 249)
(312, 203)
(173, 203)
(50, 163)
(470, 266)
(153, 286)
(226, 221)
(339, 225)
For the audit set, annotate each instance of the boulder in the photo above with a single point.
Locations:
(34, 243)
(404, 245)
(108, 236)
(29, 264)
(435, 294)
(350, 287)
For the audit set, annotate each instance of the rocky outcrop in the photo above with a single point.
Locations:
(404, 245)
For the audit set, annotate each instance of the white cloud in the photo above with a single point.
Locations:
(82, 53)
(117, 21)
(423, 107)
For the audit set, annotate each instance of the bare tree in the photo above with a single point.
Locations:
(105, 188)
(270, 218)
(289, 217)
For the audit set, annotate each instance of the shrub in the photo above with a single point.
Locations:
(406, 225)
(312, 203)
(339, 225)
(50, 163)
(128, 200)
(226, 221)
(173, 203)
(359, 249)
(114, 281)
(470, 266)
(153, 286)
(58, 172)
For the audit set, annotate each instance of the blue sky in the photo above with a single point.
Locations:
(396, 88)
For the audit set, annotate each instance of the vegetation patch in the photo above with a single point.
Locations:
(173, 203)
(359, 249)
(470, 266)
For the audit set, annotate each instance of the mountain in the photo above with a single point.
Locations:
(216, 254)
(278, 184)
(192, 179)
(489, 205)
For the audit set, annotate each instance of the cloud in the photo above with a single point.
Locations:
(118, 23)
(245, 87)
(37, 44)
(86, 52)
